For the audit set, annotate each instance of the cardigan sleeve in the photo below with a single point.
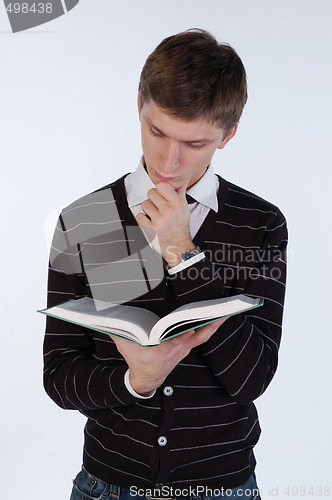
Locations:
(243, 352)
(73, 377)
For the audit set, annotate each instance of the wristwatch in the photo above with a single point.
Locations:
(188, 254)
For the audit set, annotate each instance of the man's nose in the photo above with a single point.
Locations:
(171, 157)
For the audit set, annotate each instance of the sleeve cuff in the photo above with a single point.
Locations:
(187, 263)
(131, 390)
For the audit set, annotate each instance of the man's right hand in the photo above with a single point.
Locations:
(149, 367)
(166, 221)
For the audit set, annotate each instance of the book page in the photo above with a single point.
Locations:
(84, 312)
(203, 311)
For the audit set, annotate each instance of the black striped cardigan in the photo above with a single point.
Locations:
(201, 426)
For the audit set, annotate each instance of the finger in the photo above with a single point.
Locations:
(149, 209)
(143, 220)
(212, 326)
(183, 189)
(166, 191)
(174, 342)
(205, 332)
(184, 336)
(156, 198)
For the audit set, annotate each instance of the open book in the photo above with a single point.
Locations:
(143, 326)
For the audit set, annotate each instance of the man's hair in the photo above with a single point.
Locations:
(190, 76)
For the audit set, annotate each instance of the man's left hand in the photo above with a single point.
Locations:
(149, 366)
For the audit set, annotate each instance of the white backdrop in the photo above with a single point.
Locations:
(69, 125)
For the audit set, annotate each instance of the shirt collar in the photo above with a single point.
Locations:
(204, 191)
(138, 183)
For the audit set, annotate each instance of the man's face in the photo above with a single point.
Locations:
(177, 151)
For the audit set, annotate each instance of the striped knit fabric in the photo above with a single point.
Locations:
(201, 426)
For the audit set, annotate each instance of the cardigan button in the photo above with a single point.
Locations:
(168, 390)
(162, 440)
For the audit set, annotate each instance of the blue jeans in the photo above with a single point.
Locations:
(88, 487)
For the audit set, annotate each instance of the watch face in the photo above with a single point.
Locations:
(188, 255)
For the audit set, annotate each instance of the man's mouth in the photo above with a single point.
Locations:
(165, 179)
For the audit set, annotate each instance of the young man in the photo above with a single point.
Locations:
(177, 420)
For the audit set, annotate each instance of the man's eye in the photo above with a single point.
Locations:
(196, 147)
(154, 133)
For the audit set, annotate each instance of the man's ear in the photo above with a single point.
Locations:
(139, 106)
(230, 134)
